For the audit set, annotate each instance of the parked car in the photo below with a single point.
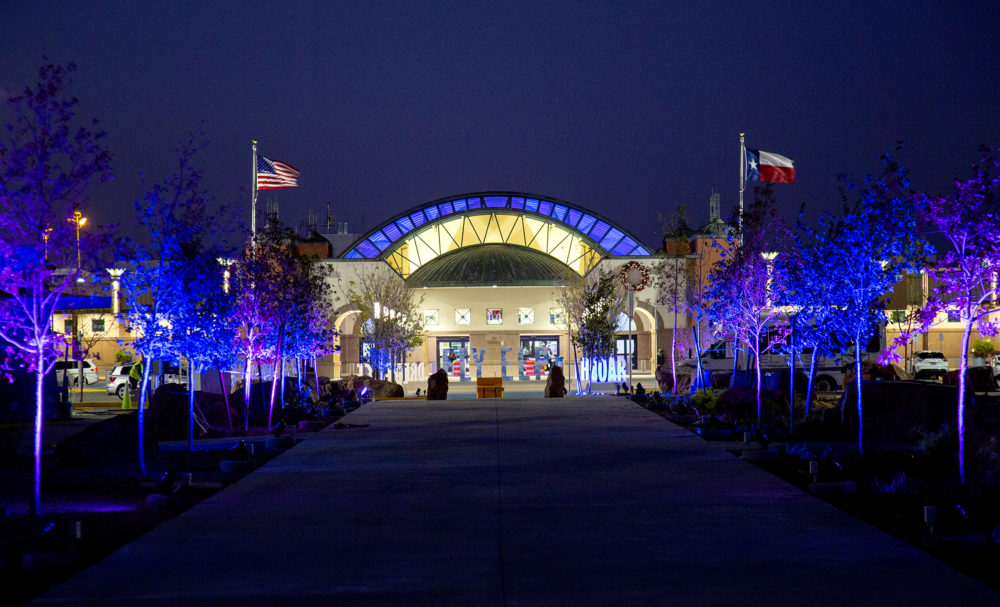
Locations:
(929, 364)
(118, 380)
(72, 369)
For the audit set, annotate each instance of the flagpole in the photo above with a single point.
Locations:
(253, 198)
(743, 185)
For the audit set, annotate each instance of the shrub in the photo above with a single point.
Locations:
(982, 348)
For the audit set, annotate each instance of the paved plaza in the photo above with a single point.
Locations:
(519, 501)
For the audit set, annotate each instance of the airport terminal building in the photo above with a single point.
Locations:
(491, 267)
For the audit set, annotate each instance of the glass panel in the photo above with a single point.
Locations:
(559, 212)
(586, 223)
(640, 250)
(517, 203)
(460, 205)
(368, 250)
(353, 255)
(624, 247)
(535, 233)
(507, 223)
(392, 232)
(611, 239)
(492, 234)
(573, 217)
(450, 234)
(446, 208)
(379, 240)
(531, 204)
(545, 207)
(495, 201)
(432, 213)
(474, 226)
(418, 218)
(405, 224)
(600, 229)
(516, 235)
(473, 203)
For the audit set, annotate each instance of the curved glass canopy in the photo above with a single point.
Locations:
(572, 235)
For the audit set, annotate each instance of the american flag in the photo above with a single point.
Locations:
(274, 174)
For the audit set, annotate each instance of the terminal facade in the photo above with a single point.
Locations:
(491, 268)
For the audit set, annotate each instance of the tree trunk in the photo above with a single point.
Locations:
(696, 337)
(143, 391)
(225, 396)
(673, 348)
(736, 358)
(190, 408)
(857, 385)
(963, 366)
(756, 366)
(812, 376)
(247, 379)
(791, 382)
(316, 376)
(36, 499)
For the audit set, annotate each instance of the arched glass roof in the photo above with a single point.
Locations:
(568, 233)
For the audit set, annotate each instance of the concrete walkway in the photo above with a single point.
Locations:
(578, 501)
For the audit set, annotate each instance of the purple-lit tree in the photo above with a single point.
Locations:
(743, 306)
(310, 334)
(870, 247)
(268, 285)
(46, 163)
(967, 268)
(172, 217)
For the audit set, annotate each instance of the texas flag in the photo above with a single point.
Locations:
(765, 166)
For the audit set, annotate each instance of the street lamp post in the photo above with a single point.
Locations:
(79, 221)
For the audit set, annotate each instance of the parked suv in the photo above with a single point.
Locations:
(118, 380)
(929, 364)
(72, 369)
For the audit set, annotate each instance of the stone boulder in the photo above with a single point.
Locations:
(437, 386)
(665, 379)
(555, 383)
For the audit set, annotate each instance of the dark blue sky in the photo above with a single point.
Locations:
(629, 109)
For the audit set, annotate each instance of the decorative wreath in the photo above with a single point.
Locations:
(635, 276)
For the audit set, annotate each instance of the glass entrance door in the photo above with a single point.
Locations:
(621, 343)
(448, 350)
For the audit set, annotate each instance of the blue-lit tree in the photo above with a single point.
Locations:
(46, 163)
(172, 220)
(966, 270)
(870, 247)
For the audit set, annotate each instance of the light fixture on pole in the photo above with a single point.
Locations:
(225, 262)
(79, 221)
(116, 274)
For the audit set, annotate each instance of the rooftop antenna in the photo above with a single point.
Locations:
(329, 218)
(311, 221)
(714, 214)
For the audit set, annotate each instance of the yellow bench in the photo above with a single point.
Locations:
(489, 387)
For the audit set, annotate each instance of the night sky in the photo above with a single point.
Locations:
(629, 109)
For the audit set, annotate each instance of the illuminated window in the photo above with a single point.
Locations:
(494, 316)
(556, 316)
(431, 318)
(525, 316)
(97, 325)
(428, 242)
(463, 316)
